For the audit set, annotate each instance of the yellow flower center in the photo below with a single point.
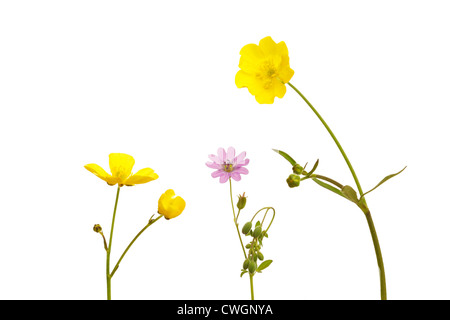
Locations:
(268, 71)
(228, 167)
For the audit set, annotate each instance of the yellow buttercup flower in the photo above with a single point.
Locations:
(169, 205)
(121, 165)
(264, 70)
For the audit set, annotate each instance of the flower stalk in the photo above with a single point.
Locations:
(108, 252)
(121, 165)
(229, 166)
(363, 207)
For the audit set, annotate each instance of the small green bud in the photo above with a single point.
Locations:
(297, 169)
(97, 228)
(260, 256)
(257, 232)
(251, 266)
(248, 245)
(293, 181)
(246, 263)
(247, 227)
(242, 201)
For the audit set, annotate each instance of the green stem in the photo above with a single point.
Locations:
(108, 252)
(334, 138)
(131, 243)
(251, 287)
(366, 211)
(235, 221)
(376, 245)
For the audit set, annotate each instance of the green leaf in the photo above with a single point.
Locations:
(350, 194)
(313, 169)
(264, 265)
(384, 180)
(286, 156)
(327, 186)
(243, 272)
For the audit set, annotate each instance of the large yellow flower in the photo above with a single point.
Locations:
(121, 165)
(264, 70)
(169, 205)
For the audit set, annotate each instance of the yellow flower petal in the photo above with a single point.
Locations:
(279, 89)
(268, 46)
(142, 176)
(98, 171)
(264, 70)
(121, 165)
(169, 205)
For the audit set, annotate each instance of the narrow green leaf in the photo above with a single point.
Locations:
(313, 169)
(327, 186)
(286, 156)
(264, 265)
(350, 194)
(243, 272)
(384, 180)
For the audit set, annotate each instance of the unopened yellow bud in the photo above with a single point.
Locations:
(297, 169)
(293, 181)
(97, 228)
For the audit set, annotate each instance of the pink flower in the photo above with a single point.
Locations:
(228, 165)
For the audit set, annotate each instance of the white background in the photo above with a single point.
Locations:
(82, 79)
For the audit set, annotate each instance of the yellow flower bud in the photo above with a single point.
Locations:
(297, 169)
(97, 228)
(293, 181)
(169, 205)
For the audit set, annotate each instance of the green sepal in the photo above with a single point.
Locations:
(264, 265)
(350, 194)
(286, 156)
(384, 180)
(312, 170)
(243, 272)
(329, 187)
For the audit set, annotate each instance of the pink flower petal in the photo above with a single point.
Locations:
(240, 157)
(241, 170)
(221, 155)
(213, 165)
(236, 176)
(217, 173)
(214, 158)
(230, 154)
(224, 177)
